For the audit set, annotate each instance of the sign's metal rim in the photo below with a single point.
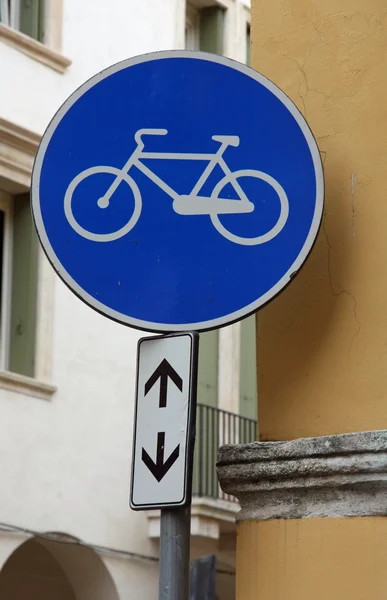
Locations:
(175, 327)
(191, 423)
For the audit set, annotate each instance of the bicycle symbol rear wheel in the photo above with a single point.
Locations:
(283, 212)
(102, 237)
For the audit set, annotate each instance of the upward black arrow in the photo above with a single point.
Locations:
(160, 468)
(163, 372)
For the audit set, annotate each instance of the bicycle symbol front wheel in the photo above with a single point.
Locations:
(283, 212)
(102, 237)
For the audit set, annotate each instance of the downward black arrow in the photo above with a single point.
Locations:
(163, 371)
(160, 468)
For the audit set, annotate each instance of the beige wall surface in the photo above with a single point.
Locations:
(323, 342)
(336, 559)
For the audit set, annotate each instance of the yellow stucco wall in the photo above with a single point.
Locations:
(322, 344)
(313, 559)
(322, 350)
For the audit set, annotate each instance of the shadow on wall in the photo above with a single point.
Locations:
(47, 570)
(296, 327)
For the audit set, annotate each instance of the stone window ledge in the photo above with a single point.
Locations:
(34, 49)
(26, 385)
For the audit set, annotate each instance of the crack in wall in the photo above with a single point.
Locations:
(353, 188)
(343, 291)
(301, 68)
(315, 28)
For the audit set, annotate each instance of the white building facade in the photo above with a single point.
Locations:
(67, 374)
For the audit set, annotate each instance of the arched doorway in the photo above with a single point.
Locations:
(45, 570)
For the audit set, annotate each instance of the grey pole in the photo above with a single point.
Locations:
(174, 553)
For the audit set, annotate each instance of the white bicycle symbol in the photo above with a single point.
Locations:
(191, 204)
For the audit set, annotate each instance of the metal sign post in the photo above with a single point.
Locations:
(174, 553)
(163, 446)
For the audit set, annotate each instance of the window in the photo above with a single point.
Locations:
(18, 284)
(227, 380)
(208, 368)
(248, 369)
(192, 29)
(26, 16)
(248, 45)
(204, 29)
(34, 27)
(22, 333)
(212, 29)
(26, 278)
(5, 275)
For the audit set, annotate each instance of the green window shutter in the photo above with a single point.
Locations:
(32, 18)
(210, 40)
(208, 368)
(4, 13)
(248, 46)
(212, 29)
(24, 289)
(248, 369)
(207, 436)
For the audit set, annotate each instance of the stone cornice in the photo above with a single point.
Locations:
(18, 147)
(331, 476)
(18, 137)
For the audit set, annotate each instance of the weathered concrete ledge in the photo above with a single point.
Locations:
(330, 476)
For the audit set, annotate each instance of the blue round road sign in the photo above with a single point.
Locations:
(177, 190)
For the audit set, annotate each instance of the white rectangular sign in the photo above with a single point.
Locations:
(164, 422)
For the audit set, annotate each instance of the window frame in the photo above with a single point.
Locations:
(244, 24)
(194, 8)
(4, 11)
(18, 147)
(6, 206)
(48, 51)
(15, 14)
(230, 338)
(12, 15)
(192, 20)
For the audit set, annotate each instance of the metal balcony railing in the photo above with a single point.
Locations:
(215, 427)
